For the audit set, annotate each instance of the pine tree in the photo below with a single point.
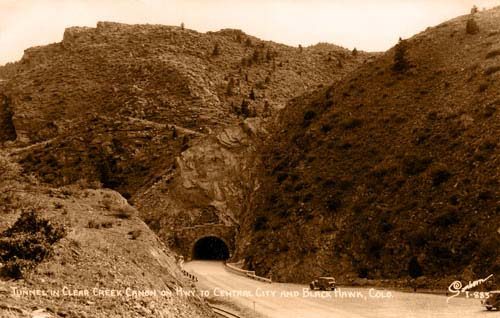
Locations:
(230, 87)
(256, 56)
(414, 268)
(401, 63)
(471, 26)
(216, 50)
(245, 110)
(268, 55)
(267, 109)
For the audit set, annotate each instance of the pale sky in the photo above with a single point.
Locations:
(371, 25)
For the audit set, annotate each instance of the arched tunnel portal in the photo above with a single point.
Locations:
(210, 248)
(206, 242)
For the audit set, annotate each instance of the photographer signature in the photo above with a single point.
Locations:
(457, 288)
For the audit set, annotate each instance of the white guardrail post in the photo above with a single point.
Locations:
(250, 274)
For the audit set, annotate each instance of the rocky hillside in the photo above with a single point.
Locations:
(91, 241)
(166, 116)
(116, 94)
(393, 173)
(8, 70)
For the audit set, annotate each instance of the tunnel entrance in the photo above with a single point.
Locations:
(210, 248)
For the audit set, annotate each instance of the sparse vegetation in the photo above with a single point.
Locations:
(93, 224)
(308, 117)
(260, 223)
(483, 87)
(97, 225)
(27, 242)
(491, 70)
(107, 203)
(58, 205)
(126, 212)
(351, 123)
(333, 203)
(439, 175)
(447, 218)
(230, 87)
(493, 53)
(8, 169)
(414, 165)
(244, 109)
(134, 235)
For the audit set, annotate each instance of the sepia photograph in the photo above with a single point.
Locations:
(249, 159)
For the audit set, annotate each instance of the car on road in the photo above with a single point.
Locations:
(323, 283)
(493, 301)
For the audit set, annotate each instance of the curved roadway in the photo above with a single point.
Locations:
(279, 300)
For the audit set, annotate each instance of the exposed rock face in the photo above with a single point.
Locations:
(209, 187)
(390, 174)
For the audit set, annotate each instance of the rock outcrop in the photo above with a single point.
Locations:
(209, 186)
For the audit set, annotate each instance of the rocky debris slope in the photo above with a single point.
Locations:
(393, 173)
(105, 250)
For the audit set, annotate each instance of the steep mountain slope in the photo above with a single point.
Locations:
(392, 173)
(102, 249)
(164, 115)
(178, 82)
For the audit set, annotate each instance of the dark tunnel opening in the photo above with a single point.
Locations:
(210, 248)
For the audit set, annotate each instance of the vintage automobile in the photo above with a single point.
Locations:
(323, 283)
(493, 301)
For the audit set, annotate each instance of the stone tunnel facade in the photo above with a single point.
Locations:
(187, 237)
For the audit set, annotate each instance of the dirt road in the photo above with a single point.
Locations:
(296, 301)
